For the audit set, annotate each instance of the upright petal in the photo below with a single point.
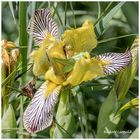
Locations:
(38, 114)
(114, 62)
(41, 25)
(80, 40)
(55, 50)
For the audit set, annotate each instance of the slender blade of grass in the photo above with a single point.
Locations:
(23, 37)
(74, 20)
(12, 11)
(103, 22)
(99, 10)
(115, 38)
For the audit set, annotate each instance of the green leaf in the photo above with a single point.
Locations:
(23, 41)
(9, 123)
(12, 75)
(4, 3)
(72, 10)
(80, 105)
(130, 9)
(106, 120)
(3, 73)
(99, 10)
(68, 64)
(23, 37)
(57, 13)
(103, 23)
(127, 75)
(65, 122)
(133, 103)
(64, 61)
(135, 134)
(12, 11)
(115, 38)
(67, 68)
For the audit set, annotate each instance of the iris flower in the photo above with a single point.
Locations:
(64, 60)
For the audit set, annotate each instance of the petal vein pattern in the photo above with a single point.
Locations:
(115, 62)
(38, 114)
(40, 24)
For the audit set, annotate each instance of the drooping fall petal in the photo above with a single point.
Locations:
(38, 114)
(114, 62)
(78, 40)
(41, 26)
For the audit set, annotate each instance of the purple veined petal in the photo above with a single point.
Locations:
(41, 23)
(116, 61)
(38, 114)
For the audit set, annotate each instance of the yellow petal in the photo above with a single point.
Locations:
(55, 50)
(80, 40)
(85, 69)
(40, 60)
(49, 39)
(50, 75)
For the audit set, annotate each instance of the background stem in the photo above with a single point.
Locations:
(22, 42)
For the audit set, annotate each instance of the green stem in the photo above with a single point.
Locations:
(74, 20)
(65, 14)
(60, 20)
(103, 13)
(23, 37)
(65, 122)
(63, 129)
(23, 40)
(99, 10)
(4, 92)
(115, 38)
(86, 115)
(80, 118)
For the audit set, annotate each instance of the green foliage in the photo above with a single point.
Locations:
(130, 104)
(102, 24)
(65, 122)
(106, 120)
(68, 64)
(9, 123)
(23, 37)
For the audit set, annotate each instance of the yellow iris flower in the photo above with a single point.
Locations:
(63, 61)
